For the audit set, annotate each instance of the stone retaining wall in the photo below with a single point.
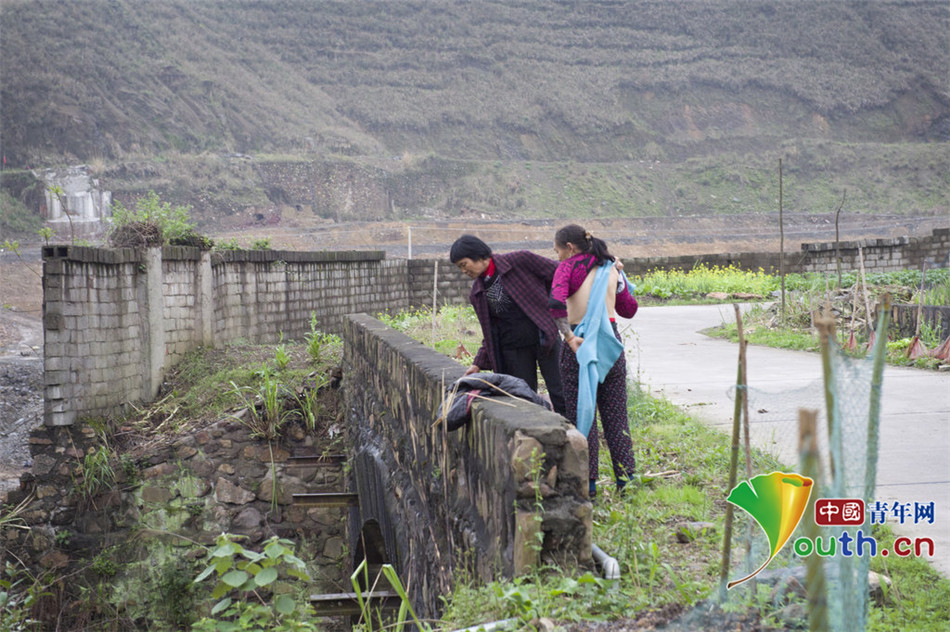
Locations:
(170, 494)
(468, 496)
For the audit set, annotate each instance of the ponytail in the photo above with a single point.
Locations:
(584, 241)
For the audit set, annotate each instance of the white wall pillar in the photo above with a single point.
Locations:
(154, 324)
(205, 301)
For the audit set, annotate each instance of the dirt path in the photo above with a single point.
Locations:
(21, 392)
(21, 361)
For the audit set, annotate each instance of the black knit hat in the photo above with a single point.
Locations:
(471, 247)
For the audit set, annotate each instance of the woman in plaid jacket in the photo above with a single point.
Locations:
(510, 296)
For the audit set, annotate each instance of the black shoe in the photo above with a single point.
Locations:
(622, 484)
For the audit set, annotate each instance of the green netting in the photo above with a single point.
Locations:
(853, 451)
(847, 468)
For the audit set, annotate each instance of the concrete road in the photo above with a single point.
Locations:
(666, 350)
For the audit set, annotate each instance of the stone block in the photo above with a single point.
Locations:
(156, 495)
(248, 521)
(227, 492)
(524, 451)
(527, 548)
(53, 320)
(574, 463)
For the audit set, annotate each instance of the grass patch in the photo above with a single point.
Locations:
(918, 599)
(16, 218)
(662, 575)
(199, 386)
(452, 330)
(764, 325)
(683, 467)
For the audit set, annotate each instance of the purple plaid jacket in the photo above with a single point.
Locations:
(527, 279)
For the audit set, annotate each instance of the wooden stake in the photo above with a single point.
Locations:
(837, 250)
(826, 334)
(864, 288)
(743, 388)
(920, 297)
(435, 293)
(733, 475)
(815, 586)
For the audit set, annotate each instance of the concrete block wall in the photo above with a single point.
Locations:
(451, 286)
(260, 294)
(117, 319)
(93, 330)
(181, 301)
(881, 255)
(461, 497)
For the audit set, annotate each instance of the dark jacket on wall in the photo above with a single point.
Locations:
(465, 390)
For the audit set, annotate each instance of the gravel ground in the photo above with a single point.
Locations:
(21, 392)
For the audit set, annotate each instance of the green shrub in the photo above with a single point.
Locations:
(251, 588)
(153, 223)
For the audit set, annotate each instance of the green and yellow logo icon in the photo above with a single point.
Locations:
(777, 502)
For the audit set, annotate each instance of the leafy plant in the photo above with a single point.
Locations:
(95, 472)
(250, 591)
(310, 404)
(703, 279)
(172, 222)
(360, 578)
(265, 404)
(281, 358)
(176, 593)
(937, 291)
(316, 340)
(63, 537)
(534, 472)
(105, 564)
(19, 592)
(262, 243)
(12, 517)
(229, 245)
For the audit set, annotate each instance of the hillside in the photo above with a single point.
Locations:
(646, 108)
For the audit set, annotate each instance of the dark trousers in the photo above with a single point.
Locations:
(612, 405)
(524, 362)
